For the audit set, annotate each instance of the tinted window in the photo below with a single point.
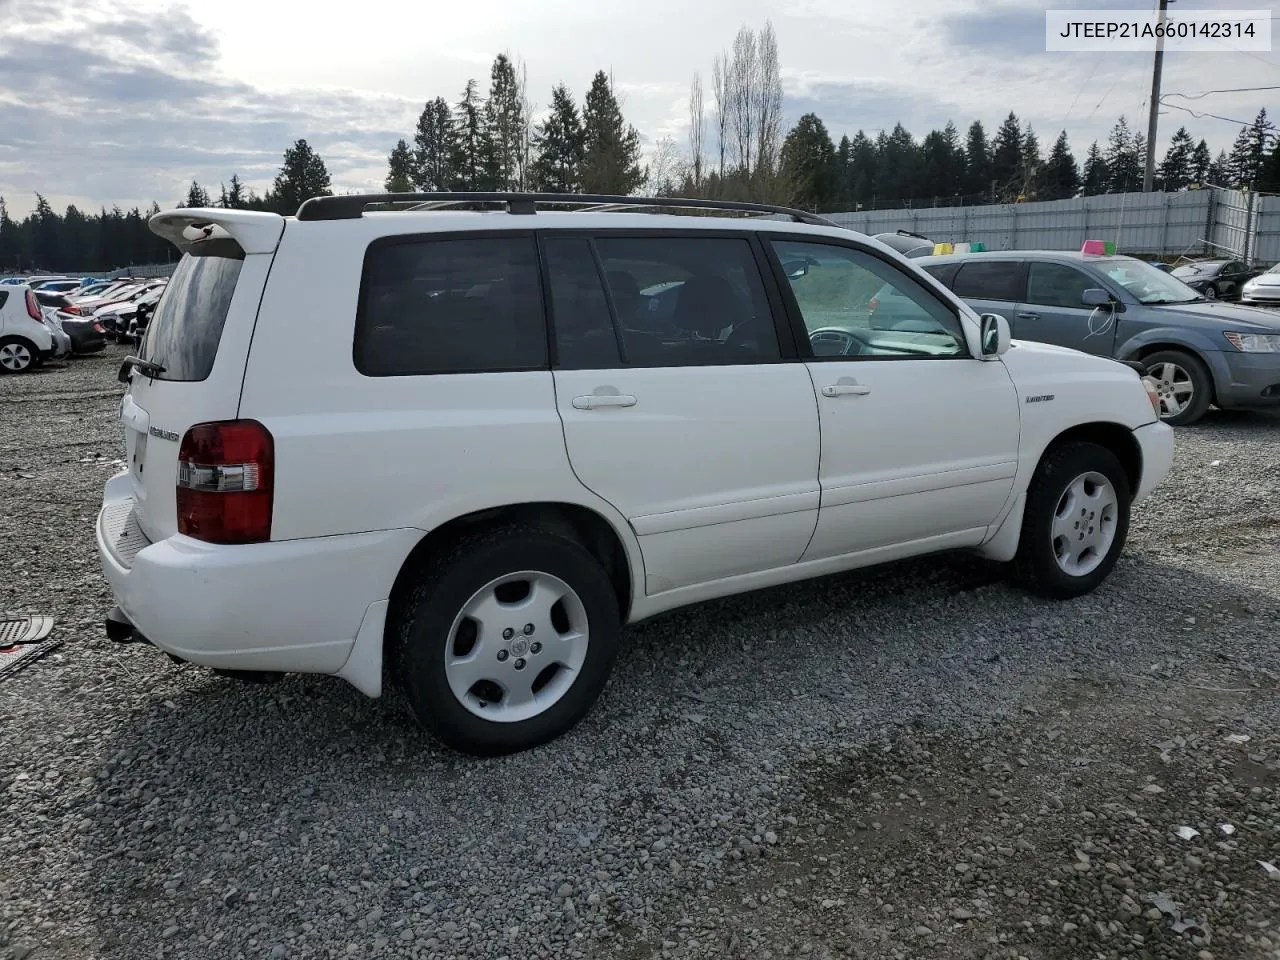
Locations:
(1057, 285)
(450, 306)
(944, 273)
(4, 295)
(183, 336)
(688, 300)
(989, 280)
(585, 338)
(855, 305)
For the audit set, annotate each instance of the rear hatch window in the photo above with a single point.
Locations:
(185, 331)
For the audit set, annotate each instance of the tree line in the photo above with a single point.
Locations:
(735, 149)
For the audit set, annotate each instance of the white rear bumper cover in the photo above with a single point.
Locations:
(295, 606)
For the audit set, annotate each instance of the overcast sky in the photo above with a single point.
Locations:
(125, 101)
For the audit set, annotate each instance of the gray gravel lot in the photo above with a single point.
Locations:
(914, 762)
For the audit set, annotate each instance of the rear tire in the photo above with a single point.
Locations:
(497, 687)
(18, 355)
(1075, 523)
(1173, 370)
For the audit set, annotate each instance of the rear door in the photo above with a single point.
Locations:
(199, 336)
(993, 286)
(677, 404)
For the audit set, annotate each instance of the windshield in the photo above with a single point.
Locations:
(1147, 284)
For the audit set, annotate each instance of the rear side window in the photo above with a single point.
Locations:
(4, 295)
(184, 334)
(989, 280)
(944, 273)
(585, 335)
(440, 306)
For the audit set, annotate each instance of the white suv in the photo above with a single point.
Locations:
(25, 339)
(459, 449)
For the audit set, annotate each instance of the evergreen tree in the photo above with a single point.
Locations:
(1201, 163)
(1096, 178)
(843, 180)
(809, 162)
(235, 196)
(559, 141)
(472, 144)
(1175, 170)
(864, 168)
(1006, 158)
(1249, 150)
(434, 147)
(1220, 170)
(611, 159)
(399, 169)
(1123, 161)
(899, 167)
(302, 176)
(197, 196)
(977, 153)
(1061, 179)
(1268, 176)
(953, 182)
(1030, 164)
(504, 122)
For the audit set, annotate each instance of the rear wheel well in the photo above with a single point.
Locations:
(578, 523)
(1114, 437)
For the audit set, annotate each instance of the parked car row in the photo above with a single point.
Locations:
(44, 319)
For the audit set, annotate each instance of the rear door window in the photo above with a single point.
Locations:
(990, 280)
(185, 331)
(944, 273)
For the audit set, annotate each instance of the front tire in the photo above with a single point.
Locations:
(1183, 383)
(1075, 523)
(507, 640)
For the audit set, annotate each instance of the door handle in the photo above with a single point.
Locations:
(594, 400)
(842, 389)
(1028, 316)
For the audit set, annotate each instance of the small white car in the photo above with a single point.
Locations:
(459, 449)
(26, 340)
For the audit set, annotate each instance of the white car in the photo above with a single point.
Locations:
(461, 448)
(1263, 290)
(26, 340)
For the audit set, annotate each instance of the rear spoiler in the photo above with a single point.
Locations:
(254, 231)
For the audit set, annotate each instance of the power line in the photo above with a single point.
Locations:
(1200, 96)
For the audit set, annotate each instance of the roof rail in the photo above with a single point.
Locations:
(352, 206)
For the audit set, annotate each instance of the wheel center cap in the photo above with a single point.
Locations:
(519, 646)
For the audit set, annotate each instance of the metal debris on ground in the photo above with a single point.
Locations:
(23, 640)
(1187, 833)
(1237, 738)
(1227, 828)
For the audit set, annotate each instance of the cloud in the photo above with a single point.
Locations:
(126, 106)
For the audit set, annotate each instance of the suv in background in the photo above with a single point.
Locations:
(26, 340)
(1198, 351)
(459, 449)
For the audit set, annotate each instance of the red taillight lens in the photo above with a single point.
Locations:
(33, 307)
(226, 475)
(72, 308)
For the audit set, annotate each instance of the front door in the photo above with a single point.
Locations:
(1054, 310)
(919, 438)
(677, 408)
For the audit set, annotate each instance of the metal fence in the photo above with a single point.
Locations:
(1169, 225)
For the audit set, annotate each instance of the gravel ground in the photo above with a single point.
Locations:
(913, 762)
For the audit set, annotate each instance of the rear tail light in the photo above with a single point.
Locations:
(226, 476)
(33, 307)
(71, 308)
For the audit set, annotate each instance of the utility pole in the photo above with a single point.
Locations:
(1148, 177)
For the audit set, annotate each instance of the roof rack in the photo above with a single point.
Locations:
(352, 206)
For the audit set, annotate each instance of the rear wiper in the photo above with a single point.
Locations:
(145, 366)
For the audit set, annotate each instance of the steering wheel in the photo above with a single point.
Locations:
(847, 344)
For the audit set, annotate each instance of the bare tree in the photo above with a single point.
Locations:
(666, 169)
(767, 101)
(697, 130)
(525, 132)
(744, 71)
(720, 89)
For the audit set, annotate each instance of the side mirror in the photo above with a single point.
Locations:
(1095, 297)
(795, 269)
(995, 336)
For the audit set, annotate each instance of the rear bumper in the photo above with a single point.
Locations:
(1254, 381)
(293, 606)
(1156, 443)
